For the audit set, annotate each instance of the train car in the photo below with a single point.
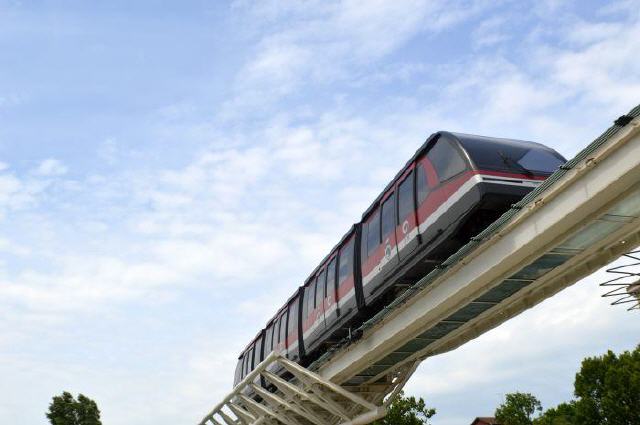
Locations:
(449, 191)
(453, 187)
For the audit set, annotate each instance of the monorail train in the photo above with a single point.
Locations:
(449, 191)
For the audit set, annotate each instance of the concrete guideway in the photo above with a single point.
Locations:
(585, 216)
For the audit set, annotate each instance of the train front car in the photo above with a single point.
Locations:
(451, 190)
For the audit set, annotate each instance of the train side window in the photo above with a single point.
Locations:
(373, 232)
(446, 160)
(346, 262)
(257, 357)
(276, 333)
(388, 219)
(283, 328)
(310, 299)
(241, 367)
(267, 339)
(238, 373)
(320, 288)
(330, 287)
(252, 354)
(405, 198)
(293, 318)
(247, 358)
(274, 336)
(422, 187)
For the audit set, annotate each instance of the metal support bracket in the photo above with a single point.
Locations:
(305, 399)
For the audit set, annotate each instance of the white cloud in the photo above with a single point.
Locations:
(51, 168)
(326, 40)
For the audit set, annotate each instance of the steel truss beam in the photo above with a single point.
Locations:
(305, 399)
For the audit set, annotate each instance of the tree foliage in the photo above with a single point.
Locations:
(407, 411)
(518, 409)
(66, 410)
(563, 414)
(608, 389)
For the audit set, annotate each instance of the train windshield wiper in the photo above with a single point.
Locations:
(508, 160)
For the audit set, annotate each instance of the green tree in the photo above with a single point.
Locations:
(66, 410)
(518, 409)
(407, 411)
(608, 389)
(563, 414)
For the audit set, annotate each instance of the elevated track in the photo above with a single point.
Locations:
(583, 217)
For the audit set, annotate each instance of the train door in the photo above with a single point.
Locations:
(282, 333)
(258, 354)
(388, 233)
(313, 311)
(407, 224)
(347, 300)
(268, 340)
(371, 252)
(331, 311)
(293, 351)
(449, 166)
(426, 181)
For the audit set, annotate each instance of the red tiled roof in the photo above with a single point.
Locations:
(484, 421)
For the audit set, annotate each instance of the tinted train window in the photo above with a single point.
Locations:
(283, 328)
(268, 335)
(320, 289)
(373, 232)
(346, 262)
(511, 155)
(247, 360)
(252, 357)
(293, 317)
(238, 373)
(331, 278)
(388, 219)
(446, 160)
(309, 298)
(540, 160)
(405, 198)
(421, 183)
(257, 357)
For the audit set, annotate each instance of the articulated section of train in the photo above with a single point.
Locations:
(449, 191)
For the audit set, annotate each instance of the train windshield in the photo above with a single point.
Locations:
(512, 156)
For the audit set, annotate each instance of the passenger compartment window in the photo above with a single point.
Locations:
(405, 198)
(283, 329)
(346, 262)
(330, 288)
(373, 232)
(293, 317)
(257, 354)
(309, 298)
(446, 160)
(320, 289)
(268, 338)
(388, 219)
(421, 183)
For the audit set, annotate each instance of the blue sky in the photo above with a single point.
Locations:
(171, 171)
